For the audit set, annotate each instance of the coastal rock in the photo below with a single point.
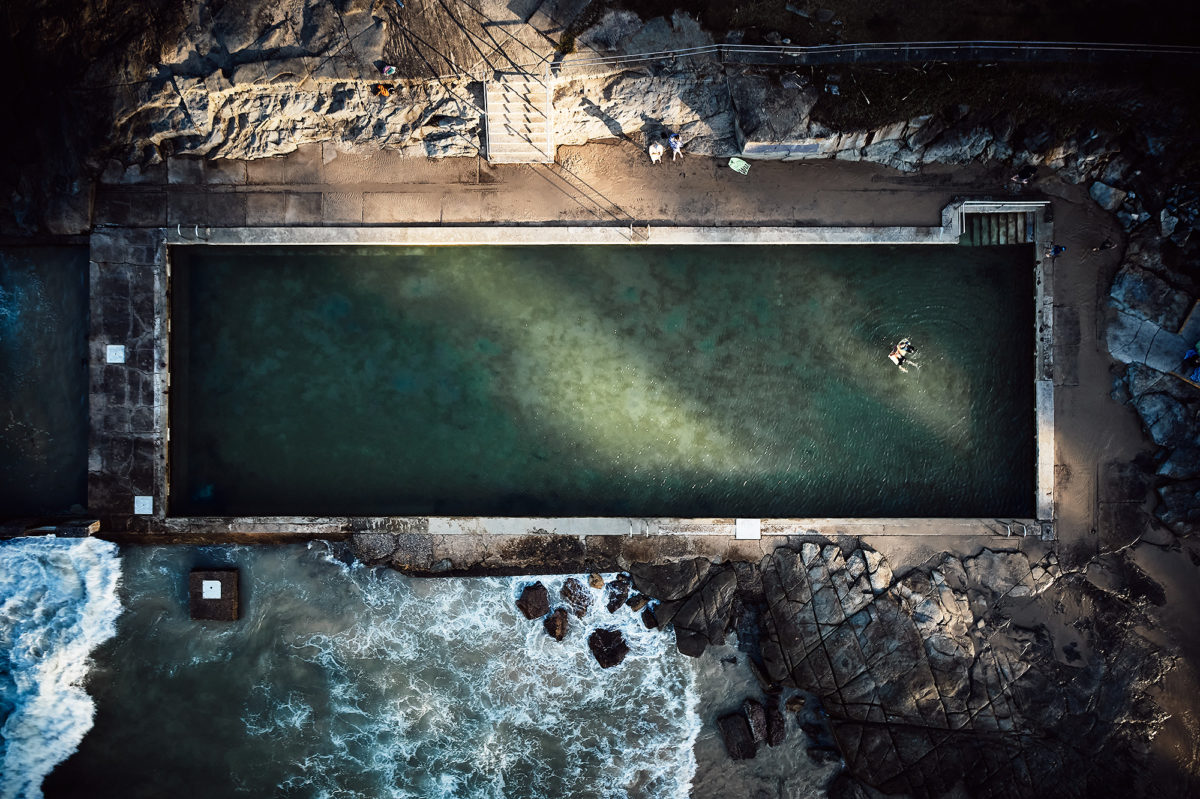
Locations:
(649, 619)
(1180, 506)
(618, 592)
(556, 624)
(703, 618)
(896, 665)
(670, 580)
(534, 601)
(608, 646)
(756, 718)
(1165, 418)
(1183, 463)
(1146, 295)
(1107, 197)
(637, 602)
(576, 596)
(595, 580)
(735, 732)
(776, 725)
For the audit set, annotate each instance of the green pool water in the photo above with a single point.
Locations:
(602, 380)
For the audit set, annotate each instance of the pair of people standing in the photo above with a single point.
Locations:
(656, 149)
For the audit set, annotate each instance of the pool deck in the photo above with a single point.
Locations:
(322, 196)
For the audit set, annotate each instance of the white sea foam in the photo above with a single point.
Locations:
(58, 602)
(440, 688)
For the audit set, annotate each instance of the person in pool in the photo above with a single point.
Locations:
(900, 353)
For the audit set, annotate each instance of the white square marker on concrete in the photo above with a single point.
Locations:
(114, 353)
(143, 506)
(210, 589)
(748, 529)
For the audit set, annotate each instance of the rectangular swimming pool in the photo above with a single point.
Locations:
(682, 381)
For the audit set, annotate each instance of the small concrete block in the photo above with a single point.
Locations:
(114, 353)
(748, 529)
(143, 505)
(223, 606)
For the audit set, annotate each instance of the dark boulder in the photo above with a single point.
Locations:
(703, 617)
(618, 592)
(1146, 295)
(776, 726)
(756, 716)
(576, 596)
(649, 619)
(637, 602)
(1165, 418)
(556, 624)
(735, 731)
(673, 580)
(534, 601)
(608, 646)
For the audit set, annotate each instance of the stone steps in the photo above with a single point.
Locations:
(520, 127)
(988, 230)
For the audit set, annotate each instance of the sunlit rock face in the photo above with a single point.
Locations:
(930, 681)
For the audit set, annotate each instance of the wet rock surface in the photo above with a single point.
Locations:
(930, 681)
(534, 601)
(556, 624)
(576, 596)
(738, 738)
(608, 646)
(617, 592)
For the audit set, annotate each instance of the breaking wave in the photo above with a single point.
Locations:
(58, 602)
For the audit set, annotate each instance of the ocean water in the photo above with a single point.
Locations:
(610, 381)
(343, 681)
(58, 602)
(43, 380)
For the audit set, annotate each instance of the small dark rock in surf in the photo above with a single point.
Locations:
(649, 619)
(576, 596)
(735, 731)
(608, 646)
(756, 715)
(618, 592)
(556, 624)
(637, 602)
(776, 727)
(534, 601)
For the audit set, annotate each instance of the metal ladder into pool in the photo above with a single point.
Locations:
(984, 229)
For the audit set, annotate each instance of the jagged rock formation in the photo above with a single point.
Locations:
(928, 681)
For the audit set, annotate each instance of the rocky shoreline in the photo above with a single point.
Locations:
(992, 674)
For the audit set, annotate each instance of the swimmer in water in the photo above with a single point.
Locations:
(901, 352)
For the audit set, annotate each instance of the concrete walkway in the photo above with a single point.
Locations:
(598, 184)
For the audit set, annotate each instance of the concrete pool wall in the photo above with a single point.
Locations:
(128, 485)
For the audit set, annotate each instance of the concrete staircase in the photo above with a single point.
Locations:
(989, 229)
(520, 119)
